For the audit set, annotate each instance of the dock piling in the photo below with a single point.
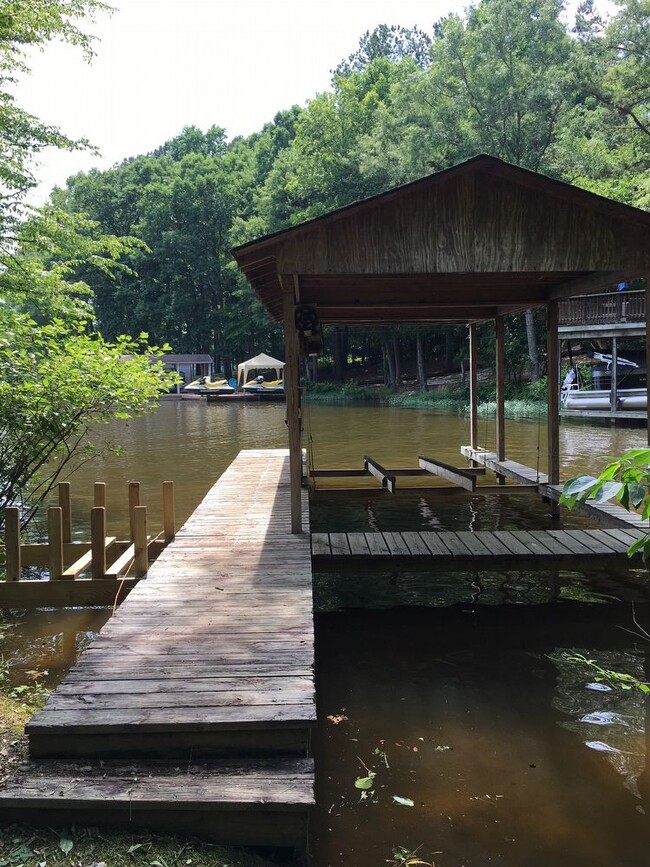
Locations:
(55, 543)
(12, 543)
(98, 541)
(169, 526)
(141, 561)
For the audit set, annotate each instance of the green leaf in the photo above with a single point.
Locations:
(66, 845)
(606, 491)
(364, 782)
(404, 802)
(579, 485)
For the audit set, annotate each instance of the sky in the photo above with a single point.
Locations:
(161, 65)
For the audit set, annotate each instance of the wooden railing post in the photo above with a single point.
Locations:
(141, 561)
(169, 520)
(99, 494)
(55, 541)
(134, 502)
(98, 541)
(66, 511)
(12, 543)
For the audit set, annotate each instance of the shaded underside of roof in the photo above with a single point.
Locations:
(470, 243)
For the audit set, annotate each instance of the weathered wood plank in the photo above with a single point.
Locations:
(458, 476)
(396, 545)
(320, 545)
(219, 639)
(376, 545)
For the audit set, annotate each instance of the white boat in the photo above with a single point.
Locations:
(626, 398)
(261, 386)
(205, 385)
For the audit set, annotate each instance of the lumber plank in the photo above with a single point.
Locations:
(396, 545)
(377, 546)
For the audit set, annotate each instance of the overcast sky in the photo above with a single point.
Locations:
(165, 64)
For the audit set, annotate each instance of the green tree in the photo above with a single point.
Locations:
(57, 375)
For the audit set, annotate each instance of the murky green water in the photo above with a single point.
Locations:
(454, 688)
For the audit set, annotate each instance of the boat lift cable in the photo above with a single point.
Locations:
(539, 433)
(310, 442)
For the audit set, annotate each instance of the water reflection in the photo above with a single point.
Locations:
(468, 707)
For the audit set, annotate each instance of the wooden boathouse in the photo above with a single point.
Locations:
(466, 245)
(197, 698)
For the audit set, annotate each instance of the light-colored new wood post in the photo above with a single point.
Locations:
(141, 559)
(134, 502)
(169, 520)
(500, 389)
(553, 393)
(66, 510)
(99, 494)
(292, 392)
(473, 388)
(98, 541)
(12, 543)
(55, 541)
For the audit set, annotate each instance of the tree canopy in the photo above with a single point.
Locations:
(512, 78)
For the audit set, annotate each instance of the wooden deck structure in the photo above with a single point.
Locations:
(209, 664)
(483, 550)
(474, 242)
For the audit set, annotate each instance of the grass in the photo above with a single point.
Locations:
(22, 846)
(522, 401)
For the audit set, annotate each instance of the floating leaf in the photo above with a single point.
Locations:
(336, 718)
(364, 782)
(404, 802)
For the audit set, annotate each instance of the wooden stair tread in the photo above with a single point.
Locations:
(282, 784)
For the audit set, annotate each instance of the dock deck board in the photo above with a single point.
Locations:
(226, 611)
(487, 550)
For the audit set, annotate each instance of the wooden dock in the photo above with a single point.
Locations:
(609, 514)
(484, 550)
(209, 660)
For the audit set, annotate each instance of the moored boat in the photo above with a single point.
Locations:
(205, 385)
(626, 399)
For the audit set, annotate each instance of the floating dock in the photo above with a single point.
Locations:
(207, 667)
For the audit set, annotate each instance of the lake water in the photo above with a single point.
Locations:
(450, 693)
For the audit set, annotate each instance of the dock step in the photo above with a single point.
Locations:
(238, 802)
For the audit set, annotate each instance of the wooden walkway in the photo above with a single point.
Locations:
(211, 656)
(609, 514)
(482, 550)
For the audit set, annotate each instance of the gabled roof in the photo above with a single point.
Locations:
(465, 244)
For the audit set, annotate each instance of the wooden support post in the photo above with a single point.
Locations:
(647, 344)
(500, 390)
(66, 509)
(99, 494)
(613, 397)
(141, 559)
(473, 388)
(292, 392)
(55, 542)
(12, 543)
(169, 521)
(98, 541)
(553, 393)
(134, 502)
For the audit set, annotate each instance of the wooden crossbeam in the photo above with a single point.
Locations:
(384, 476)
(464, 478)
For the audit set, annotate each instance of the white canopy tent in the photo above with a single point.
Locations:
(260, 362)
